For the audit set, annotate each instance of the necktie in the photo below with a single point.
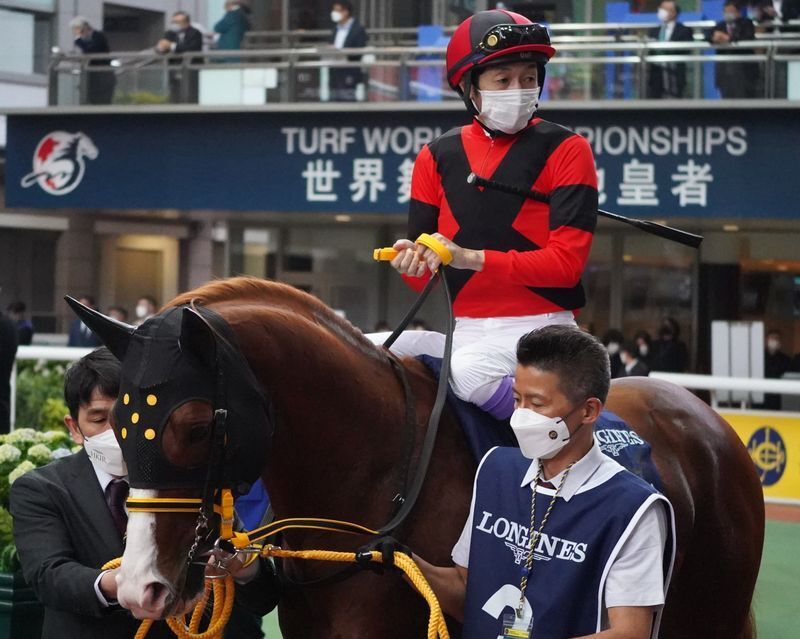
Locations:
(663, 33)
(116, 494)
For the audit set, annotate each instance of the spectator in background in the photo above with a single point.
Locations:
(16, 310)
(79, 333)
(118, 313)
(145, 309)
(669, 352)
(612, 340)
(8, 353)
(668, 80)
(632, 366)
(734, 79)
(776, 363)
(777, 11)
(100, 84)
(180, 38)
(232, 26)
(347, 34)
(381, 326)
(644, 348)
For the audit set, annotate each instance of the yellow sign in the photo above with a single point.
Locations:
(773, 441)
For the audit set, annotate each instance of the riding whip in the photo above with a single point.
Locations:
(661, 230)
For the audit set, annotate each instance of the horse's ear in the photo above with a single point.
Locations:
(114, 334)
(197, 337)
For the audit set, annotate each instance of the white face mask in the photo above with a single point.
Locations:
(336, 16)
(539, 436)
(612, 348)
(663, 15)
(644, 349)
(508, 111)
(104, 451)
(141, 311)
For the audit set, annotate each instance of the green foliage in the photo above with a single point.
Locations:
(40, 391)
(21, 451)
(51, 415)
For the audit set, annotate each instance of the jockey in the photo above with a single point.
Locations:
(517, 263)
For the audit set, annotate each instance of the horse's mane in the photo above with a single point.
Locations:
(277, 295)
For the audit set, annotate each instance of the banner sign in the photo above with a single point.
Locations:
(651, 163)
(773, 441)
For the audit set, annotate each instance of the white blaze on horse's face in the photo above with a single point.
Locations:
(140, 586)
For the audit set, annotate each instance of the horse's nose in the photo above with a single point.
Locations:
(154, 597)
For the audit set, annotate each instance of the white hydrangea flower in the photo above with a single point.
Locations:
(19, 471)
(40, 454)
(23, 435)
(9, 454)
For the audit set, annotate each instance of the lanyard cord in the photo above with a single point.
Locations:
(535, 534)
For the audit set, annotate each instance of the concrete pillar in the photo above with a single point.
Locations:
(76, 270)
(198, 265)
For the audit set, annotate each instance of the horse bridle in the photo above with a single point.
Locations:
(229, 542)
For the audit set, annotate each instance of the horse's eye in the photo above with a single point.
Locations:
(198, 433)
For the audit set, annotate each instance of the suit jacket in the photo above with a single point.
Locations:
(192, 40)
(671, 82)
(95, 43)
(78, 338)
(64, 534)
(638, 370)
(735, 79)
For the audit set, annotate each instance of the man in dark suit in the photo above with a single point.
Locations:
(100, 83)
(79, 333)
(348, 33)
(181, 38)
(69, 520)
(8, 353)
(734, 79)
(668, 79)
(632, 367)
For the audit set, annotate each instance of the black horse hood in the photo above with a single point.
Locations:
(183, 354)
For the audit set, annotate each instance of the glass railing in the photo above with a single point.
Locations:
(595, 67)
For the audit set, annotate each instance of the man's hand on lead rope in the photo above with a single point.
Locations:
(412, 259)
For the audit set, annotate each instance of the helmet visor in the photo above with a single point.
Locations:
(505, 36)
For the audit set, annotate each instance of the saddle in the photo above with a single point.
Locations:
(612, 434)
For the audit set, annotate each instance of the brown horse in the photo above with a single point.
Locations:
(336, 450)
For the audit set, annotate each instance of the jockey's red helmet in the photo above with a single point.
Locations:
(487, 36)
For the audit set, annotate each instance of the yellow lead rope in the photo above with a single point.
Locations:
(223, 594)
(437, 628)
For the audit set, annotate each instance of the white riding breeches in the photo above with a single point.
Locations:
(484, 349)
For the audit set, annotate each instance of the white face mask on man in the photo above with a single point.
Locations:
(336, 16)
(508, 110)
(539, 436)
(104, 450)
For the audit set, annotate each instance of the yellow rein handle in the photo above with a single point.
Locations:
(428, 241)
(437, 628)
(223, 590)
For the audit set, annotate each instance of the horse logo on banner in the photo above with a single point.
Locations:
(768, 452)
(58, 162)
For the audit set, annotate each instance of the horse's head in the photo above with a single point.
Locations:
(84, 146)
(191, 420)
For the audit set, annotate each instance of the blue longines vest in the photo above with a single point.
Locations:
(570, 560)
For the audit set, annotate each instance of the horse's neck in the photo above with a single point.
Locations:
(340, 428)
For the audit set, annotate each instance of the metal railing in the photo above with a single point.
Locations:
(562, 32)
(610, 69)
